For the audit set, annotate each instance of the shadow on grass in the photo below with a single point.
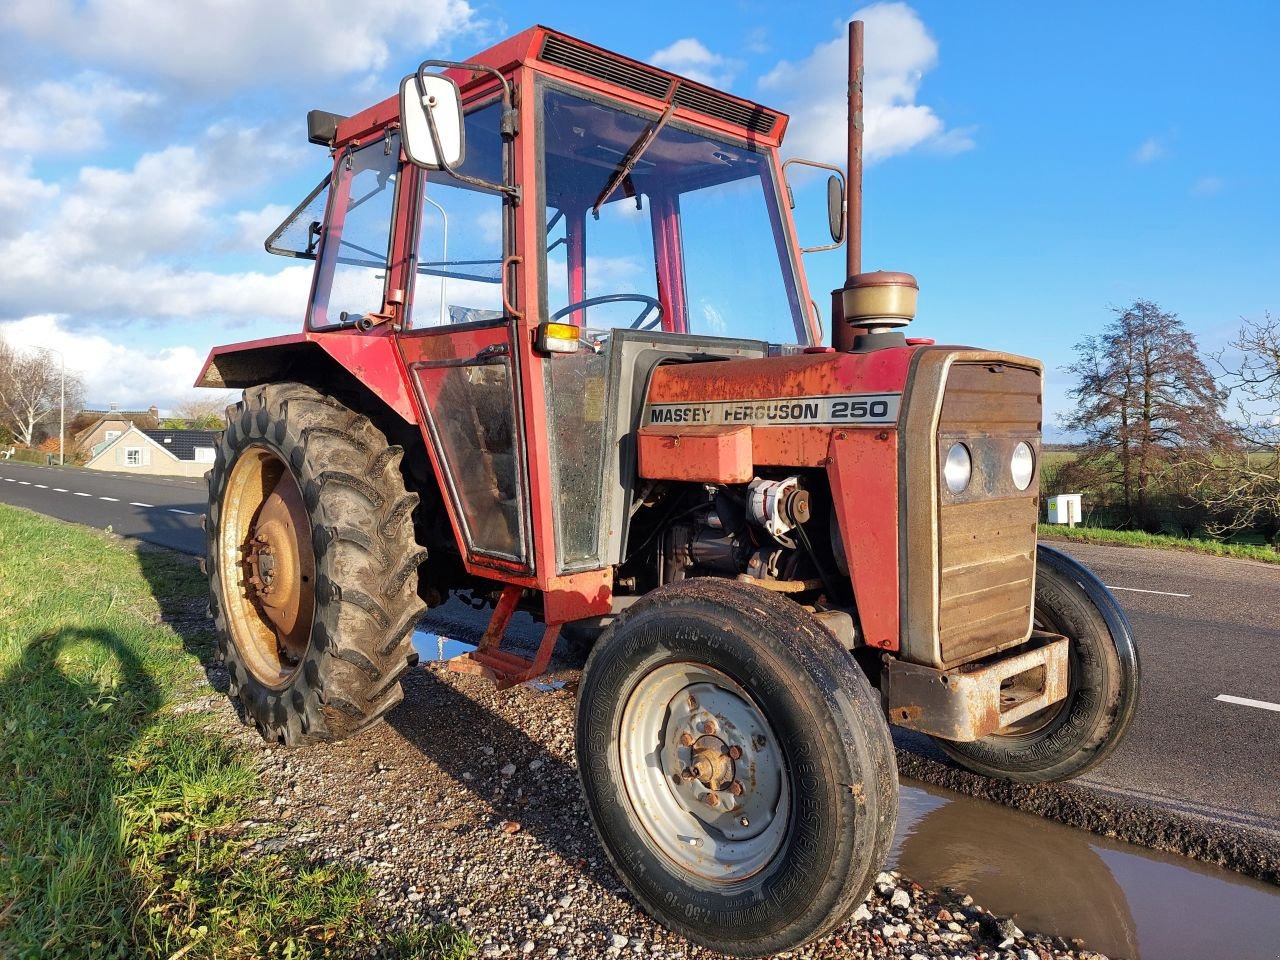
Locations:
(61, 880)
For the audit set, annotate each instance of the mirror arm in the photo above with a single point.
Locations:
(822, 166)
(509, 128)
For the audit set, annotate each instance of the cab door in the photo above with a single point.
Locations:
(458, 344)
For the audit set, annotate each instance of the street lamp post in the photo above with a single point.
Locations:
(62, 408)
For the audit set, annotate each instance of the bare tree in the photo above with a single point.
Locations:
(31, 391)
(1241, 481)
(1143, 394)
(207, 411)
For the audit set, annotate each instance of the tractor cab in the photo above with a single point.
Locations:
(537, 230)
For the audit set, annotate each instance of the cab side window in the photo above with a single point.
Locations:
(353, 262)
(458, 277)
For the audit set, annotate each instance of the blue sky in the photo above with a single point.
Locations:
(1033, 165)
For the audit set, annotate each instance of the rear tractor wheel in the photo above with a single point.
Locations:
(736, 765)
(313, 566)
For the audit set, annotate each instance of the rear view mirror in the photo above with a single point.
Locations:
(431, 121)
(835, 208)
(835, 201)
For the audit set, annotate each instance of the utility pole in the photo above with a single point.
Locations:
(62, 407)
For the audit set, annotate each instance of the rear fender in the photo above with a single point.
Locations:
(372, 361)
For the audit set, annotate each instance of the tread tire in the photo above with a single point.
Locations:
(366, 600)
(832, 729)
(1103, 678)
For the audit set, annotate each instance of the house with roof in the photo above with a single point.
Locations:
(93, 429)
(166, 453)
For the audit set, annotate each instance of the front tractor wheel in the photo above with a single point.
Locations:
(736, 765)
(313, 566)
(1067, 738)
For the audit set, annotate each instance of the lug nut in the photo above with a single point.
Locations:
(686, 740)
(711, 800)
(709, 727)
(736, 788)
(735, 753)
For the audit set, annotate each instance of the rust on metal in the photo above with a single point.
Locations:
(969, 703)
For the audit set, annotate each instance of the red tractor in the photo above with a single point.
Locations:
(560, 354)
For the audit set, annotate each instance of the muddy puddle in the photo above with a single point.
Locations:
(1122, 900)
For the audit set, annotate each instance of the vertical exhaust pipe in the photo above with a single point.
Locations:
(866, 311)
(853, 250)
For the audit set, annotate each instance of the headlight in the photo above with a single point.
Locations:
(1022, 465)
(957, 469)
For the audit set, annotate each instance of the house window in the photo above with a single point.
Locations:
(204, 454)
(112, 435)
(133, 457)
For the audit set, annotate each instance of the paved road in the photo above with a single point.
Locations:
(159, 510)
(1207, 628)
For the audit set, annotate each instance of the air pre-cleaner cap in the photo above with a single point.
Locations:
(880, 299)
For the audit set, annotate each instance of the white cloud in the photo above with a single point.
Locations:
(65, 116)
(1208, 186)
(1150, 151)
(121, 242)
(231, 44)
(19, 193)
(254, 226)
(899, 51)
(132, 377)
(690, 58)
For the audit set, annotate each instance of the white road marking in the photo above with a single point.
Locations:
(187, 513)
(132, 504)
(1246, 702)
(58, 490)
(25, 483)
(42, 486)
(1162, 593)
(9, 480)
(79, 494)
(111, 499)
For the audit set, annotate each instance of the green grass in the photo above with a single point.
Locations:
(1160, 541)
(126, 827)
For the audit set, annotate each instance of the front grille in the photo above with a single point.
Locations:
(651, 83)
(987, 535)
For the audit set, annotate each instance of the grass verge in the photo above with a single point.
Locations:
(1159, 541)
(126, 817)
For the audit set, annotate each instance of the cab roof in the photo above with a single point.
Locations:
(560, 55)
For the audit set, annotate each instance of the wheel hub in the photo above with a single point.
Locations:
(714, 794)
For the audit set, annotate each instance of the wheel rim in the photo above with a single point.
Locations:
(267, 566)
(703, 771)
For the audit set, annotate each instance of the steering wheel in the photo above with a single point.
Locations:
(651, 305)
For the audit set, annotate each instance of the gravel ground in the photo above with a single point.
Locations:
(465, 808)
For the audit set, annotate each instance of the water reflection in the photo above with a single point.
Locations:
(433, 646)
(1122, 900)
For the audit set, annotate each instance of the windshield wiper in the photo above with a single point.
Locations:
(632, 158)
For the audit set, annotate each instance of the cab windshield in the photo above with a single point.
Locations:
(657, 226)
